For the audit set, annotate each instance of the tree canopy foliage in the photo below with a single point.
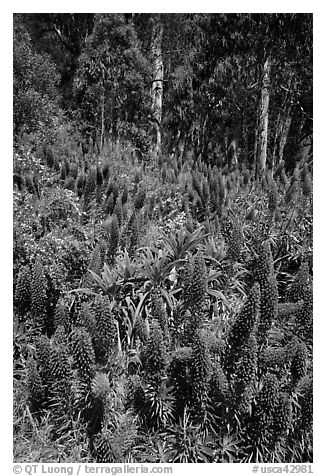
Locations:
(101, 72)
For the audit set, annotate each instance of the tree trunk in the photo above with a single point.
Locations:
(284, 136)
(102, 118)
(256, 137)
(276, 139)
(283, 124)
(202, 135)
(181, 145)
(245, 140)
(255, 157)
(304, 150)
(102, 106)
(263, 118)
(157, 82)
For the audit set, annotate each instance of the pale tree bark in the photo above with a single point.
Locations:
(180, 143)
(281, 135)
(232, 148)
(245, 139)
(102, 107)
(256, 145)
(256, 135)
(102, 119)
(157, 82)
(203, 134)
(181, 146)
(283, 124)
(263, 118)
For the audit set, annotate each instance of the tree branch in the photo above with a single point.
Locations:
(62, 39)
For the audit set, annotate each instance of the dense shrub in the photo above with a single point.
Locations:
(175, 321)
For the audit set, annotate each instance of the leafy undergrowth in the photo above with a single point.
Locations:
(161, 314)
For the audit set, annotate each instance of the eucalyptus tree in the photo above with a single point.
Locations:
(110, 83)
(282, 44)
(62, 36)
(243, 77)
(157, 81)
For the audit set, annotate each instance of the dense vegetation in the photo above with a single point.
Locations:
(162, 238)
